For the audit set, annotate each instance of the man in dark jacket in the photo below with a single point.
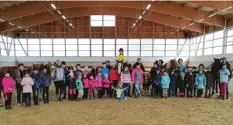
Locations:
(108, 65)
(190, 84)
(18, 76)
(94, 71)
(63, 64)
(141, 65)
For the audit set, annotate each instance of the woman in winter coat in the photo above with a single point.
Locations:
(27, 84)
(200, 83)
(8, 89)
(46, 80)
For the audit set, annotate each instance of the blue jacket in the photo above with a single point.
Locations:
(66, 72)
(45, 79)
(37, 81)
(173, 79)
(200, 81)
(157, 80)
(165, 81)
(182, 67)
(105, 71)
(224, 75)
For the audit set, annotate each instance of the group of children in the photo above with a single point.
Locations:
(109, 82)
(188, 83)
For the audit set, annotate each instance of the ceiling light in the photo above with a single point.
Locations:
(200, 20)
(148, 6)
(59, 12)
(136, 21)
(19, 27)
(63, 17)
(171, 32)
(134, 24)
(143, 12)
(191, 24)
(33, 32)
(140, 17)
(227, 8)
(27, 30)
(177, 30)
(213, 14)
(153, 0)
(70, 24)
(2, 20)
(183, 27)
(11, 23)
(67, 21)
(53, 6)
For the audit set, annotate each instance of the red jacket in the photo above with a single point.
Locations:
(114, 74)
(134, 72)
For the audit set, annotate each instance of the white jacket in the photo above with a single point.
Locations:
(27, 84)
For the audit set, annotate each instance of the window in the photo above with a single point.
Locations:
(109, 53)
(84, 47)
(192, 53)
(59, 41)
(20, 53)
(71, 47)
(171, 41)
(146, 41)
(109, 41)
(218, 34)
(146, 53)
(46, 47)
(96, 53)
(209, 37)
(134, 41)
(218, 42)
(59, 53)
(134, 47)
(71, 53)
(171, 47)
(229, 49)
(83, 41)
(33, 47)
(33, 41)
(217, 50)
(208, 51)
(109, 47)
(3, 52)
(159, 41)
(171, 53)
(230, 32)
(103, 20)
(45, 41)
(184, 53)
(46, 53)
(208, 44)
(33, 53)
(96, 47)
(134, 53)
(158, 53)
(84, 53)
(121, 41)
(159, 47)
(199, 52)
(96, 41)
(71, 41)
(146, 47)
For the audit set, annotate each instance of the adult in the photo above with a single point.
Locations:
(18, 76)
(228, 66)
(94, 71)
(152, 77)
(140, 63)
(59, 79)
(160, 64)
(66, 72)
(108, 65)
(78, 70)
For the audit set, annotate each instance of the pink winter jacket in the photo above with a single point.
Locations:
(106, 83)
(92, 83)
(135, 76)
(99, 81)
(8, 85)
(85, 83)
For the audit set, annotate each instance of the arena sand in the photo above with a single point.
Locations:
(144, 111)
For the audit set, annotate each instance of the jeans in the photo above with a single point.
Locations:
(45, 94)
(8, 99)
(127, 86)
(36, 96)
(59, 87)
(19, 95)
(137, 89)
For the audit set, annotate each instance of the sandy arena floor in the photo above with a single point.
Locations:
(144, 111)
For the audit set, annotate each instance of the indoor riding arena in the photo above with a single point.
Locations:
(116, 62)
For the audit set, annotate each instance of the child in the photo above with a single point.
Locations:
(173, 80)
(126, 80)
(181, 84)
(137, 79)
(165, 81)
(78, 70)
(104, 70)
(210, 84)
(200, 83)
(190, 84)
(92, 85)
(114, 79)
(8, 89)
(157, 84)
(27, 84)
(121, 57)
(36, 87)
(181, 65)
(46, 80)
(99, 84)
(86, 71)
(161, 73)
(120, 92)
(106, 86)
(94, 71)
(72, 84)
(79, 87)
(85, 86)
(224, 79)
